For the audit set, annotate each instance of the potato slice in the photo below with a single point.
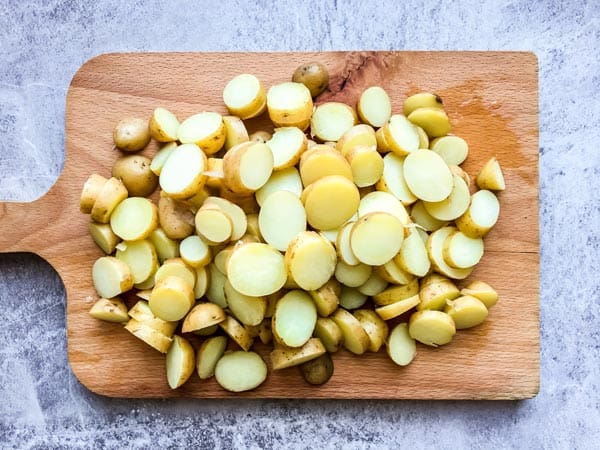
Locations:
(461, 251)
(401, 348)
(356, 339)
(376, 329)
(163, 125)
(256, 269)
(91, 189)
(321, 161)
(376, 238)
(113, 192)
(161, 157)
(343, 248)
(374, 106)
(214, 173)
(330, 202)
(237, 332)
(206, 130)
(252, 228)
(235, 131)
(109, 310)
(175, 219)
(433, 120)
(216, 287)
(352, 276)
(396, 293)
(287, 145)
(149, 335)
(481, 216)
(400, 135)
(318, 371)
(180, 362)
(142, 313)
(203, 315)
(392, 273)
(111, 277)
(103, 236)
(424, 219)
(361, 134)
(248, 310)
(176, 267)
(455, 205)
(326, 298)
(310, 260)
(329, 334)
(490, 177)
(374, 285)
(435, 250)
(352, 298)
(398, 308)
(194, 251)
(294, 319)
(202, 282)
(456, 170)
(141, 258)
(481, 291)
(134, 218)
(435, 290)
(423, 138)
(240, 371)
(432, 328)
(247, 167)
(171, 299)
(382, 144)
(367, 165)
(422, 100)
(221, 259)
(235, 214)
(213, 225)
(466, 311)
(290, 104)
(281, 218)
(283, 357)
(393, 181)
(428, 176)
(209, 353)
(208, 331)
(182, 174)
(148, 283)
(245, 96)
(383, 202)
(453, 149)
(331, 120)
(413, 257)
(283, 180)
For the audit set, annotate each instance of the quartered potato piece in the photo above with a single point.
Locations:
(491, 177)
(110, 310)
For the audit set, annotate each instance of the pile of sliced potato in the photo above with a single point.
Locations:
(345, 226)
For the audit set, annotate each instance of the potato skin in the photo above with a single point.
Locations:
(134, 171)
(313, 75)
(176, 221)
(131, 134)
(319, 370)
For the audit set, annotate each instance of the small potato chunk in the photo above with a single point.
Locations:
(110, 310)
(435, 290)
(466, 311)
(240, 371)
(342, 244)
(392, 179)
(113, 192)
(176, 267)
(433, 120)
(413, 256)
(331, 120)
(290, 104)
(330, 202)
(209, 353)
(374, 106)
(358, 135)
(318, 371)
(248, 310)
(352, 298)
(256, 269)
(321, 161)
(376, 329)
(424, 219)
(140, 257)
(422, 100)
(234, 212)
(326, 298)
(400, 136)
(432, 328)
(283, 357)
(352, 276)
(176, 220)
(194, 251)
(376, 238)
(163, 125)
(206, 130)
(203, 315)
(454, 205)
(383, 202)
(382, 144)
(481, 291)
(313, 75)
(171, 298)
(142, 313)
(182, 175)
(435, 250)
(180, 362)
(356, 339)
(310, 260)
(247, 167)
(149, 335)
(245, 96)
(396, 293)
(237, 332)
(398, 308)
(452, 149)
(490, 177)
(161, 157)
(374, 285)
(287, 145)
(91, 189)
(213, 225)
(202, 282)
(131, 134)
(235, 131)
(329, 333)
(111, 276)
(134, 218)
(135, 173)
(428, 176)
(283, 180)
(401, 348)
(367, 165)
(481, 216)
(461, 251)
(392, 273)
(103, 236)
(281, 218)
(294, 319)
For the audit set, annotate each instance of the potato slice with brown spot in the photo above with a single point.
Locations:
(109, 310)
(203, 315)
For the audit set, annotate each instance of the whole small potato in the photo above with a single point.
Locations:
(134, 171)
(131, 134)
(319, 370)
(313, 75)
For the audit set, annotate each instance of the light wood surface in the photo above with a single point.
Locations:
(492, 100)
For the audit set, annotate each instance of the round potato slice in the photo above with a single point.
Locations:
(248, 310)
(103, 236)
(352, 276)
(428, 176)
(180, 362)
(342, 245)
(398, 308)
(247, 167)
(310, 260)
(454, 206)
(374, 285)
(433, 120)
(382, 144)
(394, 294)
(461, 251)
(374, 106)
(176, 267)
(163, 125)
(330, 202)
(281, 218)
(161, 157)
(171, 299)
(376, 238)
(435, 249)
(422, 218)
(235, 131)
(240, 371)
(383, 202)
(149, 335)
(452, 149)
(367, 165)
(329, 334)
(209, 353)
(413, 256)
(202, 282)
(466, 311)
(481, 216)
(423, 138)
(326, 298)
(392, 179)
(361, 134)
(401, 136)
(245, 96)
(356, 339)
(234, 212)
(401, 348)
(432, 328)
(294, 319)
(141, 258)
(352, 298)
(182, 174)
(422, 100)
(256, 269)
(290, 104)
(205, 129)
(321, 161)
(215, 292)
(331, 120)
(287, 145)
(134, 218)
(213, 225)
(283, 357)
(282, 180)
(392, 273)
(111, 276)
(194, 251)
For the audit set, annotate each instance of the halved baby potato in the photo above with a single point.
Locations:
(428, 176)
(329, 333)
(481, 215)
(201, 316)
(103, 236)
(247, 167)
(240, 371)
(310, 260)
(141, 258)
(134, 218)
(163, 125)
(401, 347)
(374, 106)
(205, 129)
(422, 100)
(400, 135)
(466, 311)
(91, 189)
(256, 269)
(287, 145)
(171, 298)
(481, 291)
(111, 276)
(209, 353)
(376, 238)
(180, 362)
(330, 202)
(361, 134)
(435, 290)
(331, 120)
(290, 104)
(281, 218)
(149, 335)
(431, 328)
(182, 174)
(245, 96)
(294, 319)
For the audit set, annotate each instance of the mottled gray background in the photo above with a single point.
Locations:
(41, 46)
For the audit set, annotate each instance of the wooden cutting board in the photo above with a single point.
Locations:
(492, 100)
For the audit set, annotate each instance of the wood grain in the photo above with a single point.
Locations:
(492, 100)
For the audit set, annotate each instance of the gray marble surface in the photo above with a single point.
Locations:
(41, 46)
